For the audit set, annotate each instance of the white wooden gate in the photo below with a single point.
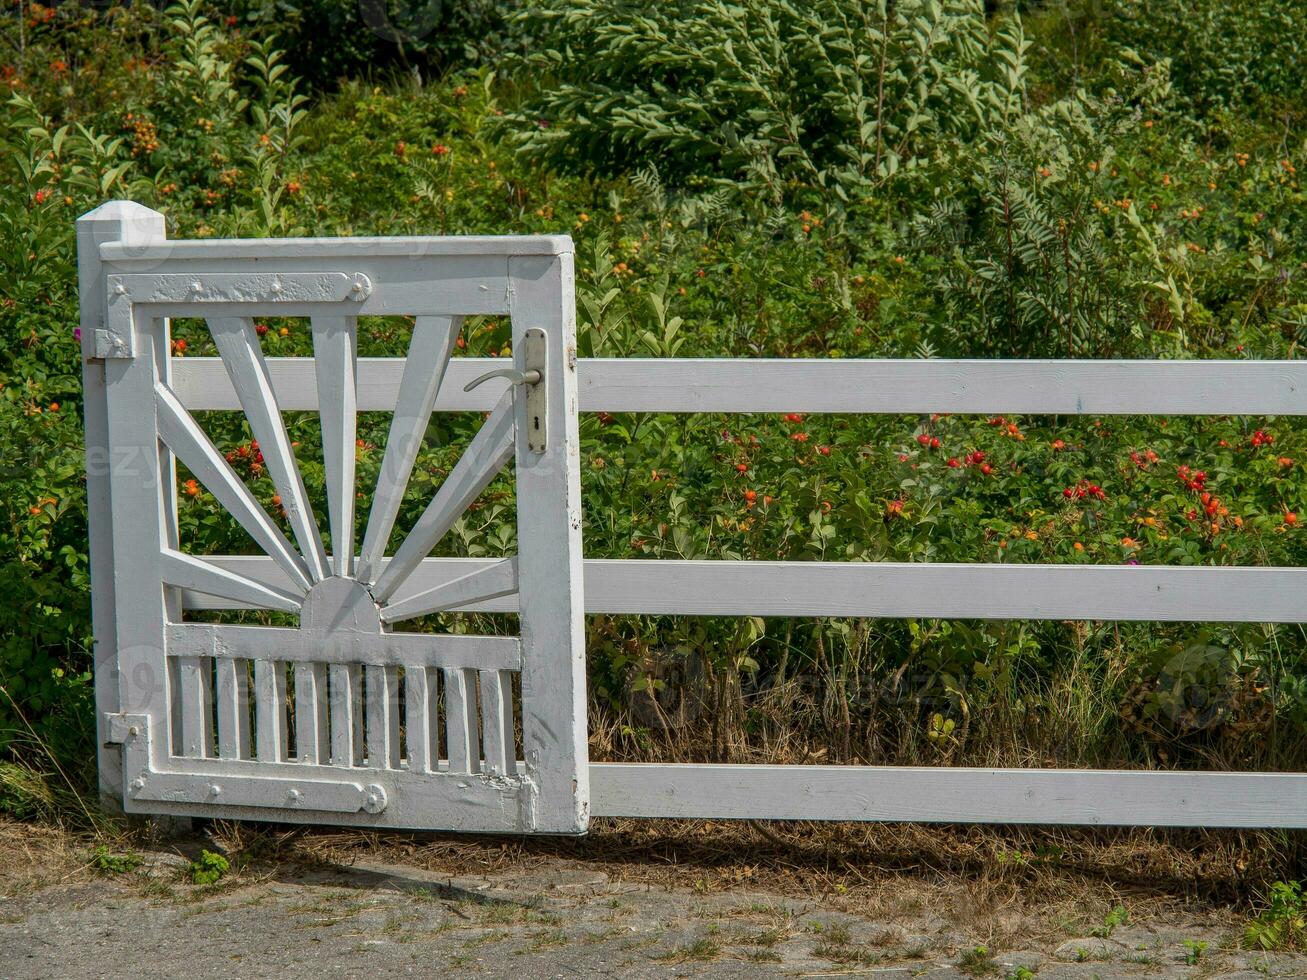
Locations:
(496, 275)
(203, 711)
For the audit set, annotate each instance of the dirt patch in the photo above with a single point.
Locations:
(638, 899)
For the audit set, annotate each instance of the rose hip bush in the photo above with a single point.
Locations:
(1100, 215)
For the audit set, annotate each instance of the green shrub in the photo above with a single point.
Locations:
(107, 862)
(1225, 58)
(1282, 925)
(764, 97)
(331, 40)
(208, 868)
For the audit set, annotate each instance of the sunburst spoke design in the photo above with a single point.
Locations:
(243, 357)
(335, 353)
(428, 356)
(183, 435)
(484, 458)
(187, 572)
(497, 580)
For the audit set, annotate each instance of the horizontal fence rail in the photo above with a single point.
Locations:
(738, 385)
(1098, 797)
(889, 589)
(884, 589)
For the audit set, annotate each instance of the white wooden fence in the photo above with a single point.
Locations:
(456, 272)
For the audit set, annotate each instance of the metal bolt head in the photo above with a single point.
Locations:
(120, 290)
(361, 288)
(138, 784)
(294, 796)
(215, 789)
(375, 801)
(276, 286)
(133, 731)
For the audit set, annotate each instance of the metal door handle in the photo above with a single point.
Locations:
(531, 376)
(514, 376)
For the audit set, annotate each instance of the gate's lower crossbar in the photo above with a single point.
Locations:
(949, 795)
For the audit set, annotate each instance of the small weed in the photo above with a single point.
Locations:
(700, 950)
(977, 961)
(105, 862)
(835, 933)
(763, 956)
(208, 868)
(1194, 950)
(767, 937)
(1019, 973)
(552, 939)
(843, 953)
(1117, 917)
(1283, 925)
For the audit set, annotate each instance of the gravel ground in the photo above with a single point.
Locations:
(557, 917)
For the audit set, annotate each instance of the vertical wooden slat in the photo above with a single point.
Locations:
(195, 705)
(233, 708)
(312, 732)
(461, 736)
(335, 363)
(497, 721)
(270, 710)
(346, 719)
(383, 717)
(421, 728)
(428, 354)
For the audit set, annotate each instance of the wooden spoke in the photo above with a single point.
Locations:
(484, 458)
(497, 580)
(335, 354)
(243, 357)
(183, 435)
(187, 572)
(428, 355)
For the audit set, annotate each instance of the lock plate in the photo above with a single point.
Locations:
(535, 358)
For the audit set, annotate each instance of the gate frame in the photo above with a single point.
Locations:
(890, 589)
(132, 279)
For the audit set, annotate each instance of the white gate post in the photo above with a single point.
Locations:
(549, 550)
(132, 224)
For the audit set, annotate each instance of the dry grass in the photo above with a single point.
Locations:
(1005, 887)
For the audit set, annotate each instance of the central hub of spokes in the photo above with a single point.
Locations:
(339, 604)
